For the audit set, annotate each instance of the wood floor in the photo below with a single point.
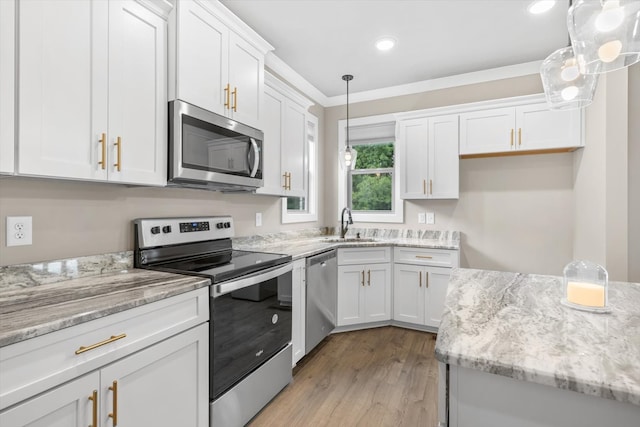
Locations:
(376, 377)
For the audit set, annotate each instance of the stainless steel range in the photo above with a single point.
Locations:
(250, 308)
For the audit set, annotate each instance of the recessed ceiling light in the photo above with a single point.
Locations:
(540, 6)
(385, 43)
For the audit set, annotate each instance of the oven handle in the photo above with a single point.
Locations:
(234, 285)
(256, 158)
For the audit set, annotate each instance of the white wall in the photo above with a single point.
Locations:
(634, 173)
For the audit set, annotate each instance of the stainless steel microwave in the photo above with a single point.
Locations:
(207, 150)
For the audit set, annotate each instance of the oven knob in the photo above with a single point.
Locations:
(166, 229)
(227, 225)
(220, 225)
(155, 230)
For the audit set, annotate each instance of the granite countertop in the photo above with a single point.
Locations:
(28, 310)
(304, 245)
(513, 324)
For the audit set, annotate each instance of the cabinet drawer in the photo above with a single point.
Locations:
(419, 256)
(349, 256)
(35, 365)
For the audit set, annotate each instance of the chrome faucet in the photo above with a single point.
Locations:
(344, 225)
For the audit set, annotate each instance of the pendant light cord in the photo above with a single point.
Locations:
(347, 78)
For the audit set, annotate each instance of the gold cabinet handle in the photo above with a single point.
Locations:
(424, 186)
(114, 414)
(519, 136)
(511, 142)
(431, 187)
(235, 99)
(94, 414)
(420, 279)
(369, 277)
(227, 95)
(118, 163)
(103, 143)
(101, 343)
(362, 277)
(285, 180)
(289, 181)
(424, 256)
(426, 279)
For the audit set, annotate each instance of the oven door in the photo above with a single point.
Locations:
(208, 149)
(251, 322)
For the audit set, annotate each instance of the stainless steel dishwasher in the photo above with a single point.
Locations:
(322, 296)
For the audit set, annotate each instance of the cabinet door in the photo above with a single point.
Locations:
(272, 172)
(408, 293)
(487, 131)
(137, 94)
(443, 157)
(294, 152)
(246, 77)
(539, 128)
(377, 293)
(414, 158)
(351, 281)
(436, 291)
(7, 86)
(165, 385)
(62, 87)
(298, 310)
(202, 53)
(65, 406)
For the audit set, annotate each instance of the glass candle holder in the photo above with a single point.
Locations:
(586, 287)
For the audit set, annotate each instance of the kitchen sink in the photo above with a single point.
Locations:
(349, 240)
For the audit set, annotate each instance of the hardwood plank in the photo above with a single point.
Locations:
(374, 377)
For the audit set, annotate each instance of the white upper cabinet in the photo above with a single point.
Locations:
(92, 91)
(285, 148)
(216, 62)
(428, 153)
(7, 86)
(520, 129)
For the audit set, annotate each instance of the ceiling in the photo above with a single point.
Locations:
(323, 39)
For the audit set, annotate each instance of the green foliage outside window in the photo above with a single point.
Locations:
(373, 191)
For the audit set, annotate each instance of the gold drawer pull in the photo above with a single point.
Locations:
(519, 136)
(511, 142)
(431, 187)
(118, 163)
(369, 278)
(420, 279)
(424, 186)
(103, 142)
(94, 413)
(227, 91)
(235, 99)
(114, 414)
(113, 338)
(424, 256)
(362, 277)
(426, 279)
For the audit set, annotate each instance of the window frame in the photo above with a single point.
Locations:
(310, 178)
(397, 214)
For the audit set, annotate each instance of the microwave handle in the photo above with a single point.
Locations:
(256, 158)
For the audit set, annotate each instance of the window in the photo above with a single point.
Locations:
(305, 209)
(371, 190)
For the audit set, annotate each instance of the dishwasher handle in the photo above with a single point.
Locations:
(321, 258)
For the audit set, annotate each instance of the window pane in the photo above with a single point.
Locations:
(374, 156)
(371, 192)
(296, 204)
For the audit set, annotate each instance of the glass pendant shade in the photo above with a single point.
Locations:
(605, 34)
(565, 87)
(348, 156)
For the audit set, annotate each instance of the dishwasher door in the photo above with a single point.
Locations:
(322, 296)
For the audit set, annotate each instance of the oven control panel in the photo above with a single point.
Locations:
(153, 232)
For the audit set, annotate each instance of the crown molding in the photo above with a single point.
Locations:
(279, 67)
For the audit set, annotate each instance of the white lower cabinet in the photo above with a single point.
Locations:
(364, 290)
(419, 293)
(154, 373)
(298, 310)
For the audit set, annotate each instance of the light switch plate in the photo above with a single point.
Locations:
(258, 219)
(19, 230)
(431, 218)
(421, 218)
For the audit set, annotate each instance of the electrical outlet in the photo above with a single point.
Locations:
(421, 218)
(19, 230)
(431, 218)
(258, 219)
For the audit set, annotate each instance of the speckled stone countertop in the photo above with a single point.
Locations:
(307, 243)
(513, 324)
(36, 299)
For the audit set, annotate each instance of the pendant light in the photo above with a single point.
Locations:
(348, 154)
(565, 86)
(605, 34)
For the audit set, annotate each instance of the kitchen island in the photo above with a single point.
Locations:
(511, 355)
